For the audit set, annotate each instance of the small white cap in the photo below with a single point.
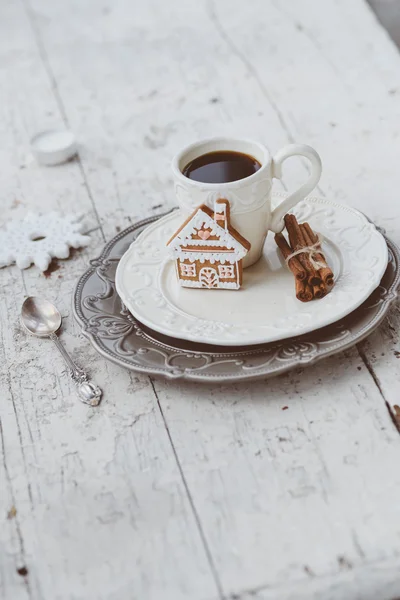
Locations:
(54, 147)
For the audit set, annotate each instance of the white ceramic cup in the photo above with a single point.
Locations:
(249, 198)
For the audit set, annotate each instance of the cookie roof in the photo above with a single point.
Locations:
(229, 245)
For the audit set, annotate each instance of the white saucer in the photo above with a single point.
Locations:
(266, 308)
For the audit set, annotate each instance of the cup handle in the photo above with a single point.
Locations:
(277, 223)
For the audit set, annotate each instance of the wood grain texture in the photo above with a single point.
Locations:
(188, 491)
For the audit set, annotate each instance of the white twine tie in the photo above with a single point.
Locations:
(312, 252)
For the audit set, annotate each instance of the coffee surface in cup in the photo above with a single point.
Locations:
(221, 166)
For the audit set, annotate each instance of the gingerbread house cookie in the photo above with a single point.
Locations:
(208, 251)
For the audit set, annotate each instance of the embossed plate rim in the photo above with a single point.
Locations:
(362, 248)
(200, 374)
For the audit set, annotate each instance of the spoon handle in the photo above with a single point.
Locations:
(88, 392)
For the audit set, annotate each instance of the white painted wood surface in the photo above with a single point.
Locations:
(173, 490)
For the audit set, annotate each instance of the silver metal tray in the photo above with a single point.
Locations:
(119, 337)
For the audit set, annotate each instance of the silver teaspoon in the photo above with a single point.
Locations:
(41, 318)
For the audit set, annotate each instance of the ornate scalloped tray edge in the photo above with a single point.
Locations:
(119, 337)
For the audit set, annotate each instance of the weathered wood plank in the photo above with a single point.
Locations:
(282, 493)
(12, 460)
(381, 353)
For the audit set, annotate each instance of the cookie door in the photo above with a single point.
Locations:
(208, 277)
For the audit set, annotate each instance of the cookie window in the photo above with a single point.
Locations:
(226, 271)
(188, 270)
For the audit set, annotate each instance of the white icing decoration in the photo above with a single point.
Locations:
(227, 285)
(226, 271)
(188, 270)
(198, 221)
(220, 208)
(212, 243)
(213, 257)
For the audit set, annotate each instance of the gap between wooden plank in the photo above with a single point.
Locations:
(394, 412)
(253, 72)
(190, 498)
(16, 517)
(249, 66)
(43, 54)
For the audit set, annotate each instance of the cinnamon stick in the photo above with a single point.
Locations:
(304, 291)
(297, 241)
(325, 272)
(319, 291)
(294, 264)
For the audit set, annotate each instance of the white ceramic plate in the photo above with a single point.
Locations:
(266, 308)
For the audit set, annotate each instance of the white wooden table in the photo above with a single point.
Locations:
(174, 491)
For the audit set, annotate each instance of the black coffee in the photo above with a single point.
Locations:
(221, 166)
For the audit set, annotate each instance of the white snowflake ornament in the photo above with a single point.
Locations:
(39, 238)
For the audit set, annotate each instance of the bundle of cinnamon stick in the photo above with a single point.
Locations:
(313, 276)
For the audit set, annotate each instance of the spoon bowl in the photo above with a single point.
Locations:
(40, 317)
